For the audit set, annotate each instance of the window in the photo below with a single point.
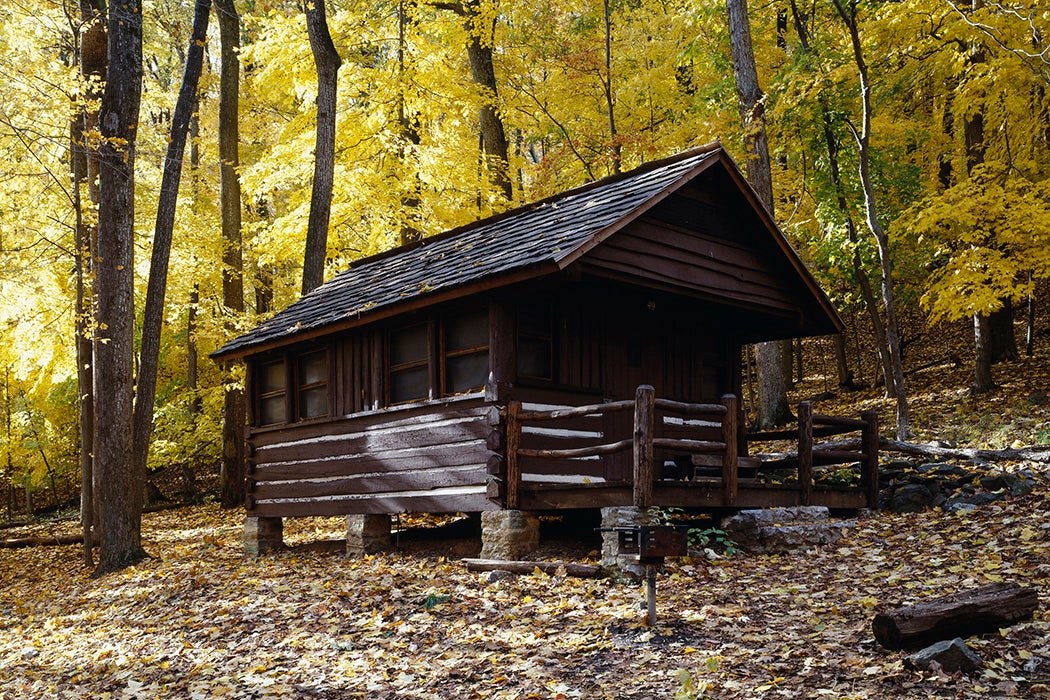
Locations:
(312, 381)
(466, 352)
(536, 343)
(409, 364)
(306, 373)
(273, 404)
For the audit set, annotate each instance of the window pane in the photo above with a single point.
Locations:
(271, 410)
(534, 358)
(535, 321)
(313, 403)
(408, 345)
(271, 377)
(313, 368)
(467, 331)
(466, 372)
(409, 384)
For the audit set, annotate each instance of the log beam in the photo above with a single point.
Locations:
(977, 611)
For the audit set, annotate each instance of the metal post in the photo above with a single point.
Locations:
(650, 593)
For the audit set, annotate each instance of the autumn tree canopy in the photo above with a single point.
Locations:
(579, 93)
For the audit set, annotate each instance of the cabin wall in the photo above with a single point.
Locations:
(424, 458)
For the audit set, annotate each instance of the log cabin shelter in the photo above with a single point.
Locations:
(498, 366)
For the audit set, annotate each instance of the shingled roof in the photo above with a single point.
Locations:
(540, 237)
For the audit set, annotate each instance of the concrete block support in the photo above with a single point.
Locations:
(509, 534)
(263, 535)
(367, 534)
(622, 516)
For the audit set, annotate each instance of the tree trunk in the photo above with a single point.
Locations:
(153, 316)
(411, 230)
(771, 404)
(233, 402)
(863, 137)
(864, 284)
(978, 611)
(982, 375)
(85, 169)
(327, 63)
(614, 138)
(482, 70)
(1003, 340)
(845, 376)
(117, 482)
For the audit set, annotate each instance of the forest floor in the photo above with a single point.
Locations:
(200, 620)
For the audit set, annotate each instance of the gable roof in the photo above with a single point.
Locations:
(530, 241)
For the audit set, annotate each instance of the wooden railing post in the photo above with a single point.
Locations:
(644, 420)
(730, 430)
(805, 452)
(513, 461)
(869, 469)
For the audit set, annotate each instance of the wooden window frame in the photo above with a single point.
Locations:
(261, 396)
(444, 354)
(548, 339)
(292, 389)
(391, 368)
(301, 388)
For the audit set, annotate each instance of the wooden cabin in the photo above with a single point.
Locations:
(449, 375)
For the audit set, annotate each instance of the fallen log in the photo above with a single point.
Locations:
(1008, 454)
(977, 611)
(49, 540)
(527, 567)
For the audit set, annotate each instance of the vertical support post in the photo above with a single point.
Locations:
(513, 461)
(805, 452)
(741, 432)
(731, 428)
(869, 469)
(644, 418)
(650, 594)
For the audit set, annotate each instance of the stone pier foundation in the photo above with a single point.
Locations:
(367, 534)
(263, 535)
(622, 516)
(509, 534)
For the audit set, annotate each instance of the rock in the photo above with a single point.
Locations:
(784, 529)
(911, 498)
(1038, 398)
(993, 482)
(1017, 485)
(951, 655)
(498, 575)
(941, 469)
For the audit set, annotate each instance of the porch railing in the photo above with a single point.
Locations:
(702, 429)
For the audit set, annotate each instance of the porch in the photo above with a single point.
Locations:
(651, 451)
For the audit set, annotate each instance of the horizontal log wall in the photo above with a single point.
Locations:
(429, 458)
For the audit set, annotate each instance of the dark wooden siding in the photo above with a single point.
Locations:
(670, 257)
(358, 371)
(427, 458)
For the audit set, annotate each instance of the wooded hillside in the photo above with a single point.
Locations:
(445, 112)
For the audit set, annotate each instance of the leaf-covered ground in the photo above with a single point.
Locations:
(199, 620)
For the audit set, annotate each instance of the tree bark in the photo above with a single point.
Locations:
(494, 145)
(327, 63)
(771, 404)
(1003, 340)
(117, 483)
(153, 316)
(85, 169)
(614, 138)
(863, 283)
(982, 351)
(863, 137)
(528, 567)
(234, 410)
(985, 609)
